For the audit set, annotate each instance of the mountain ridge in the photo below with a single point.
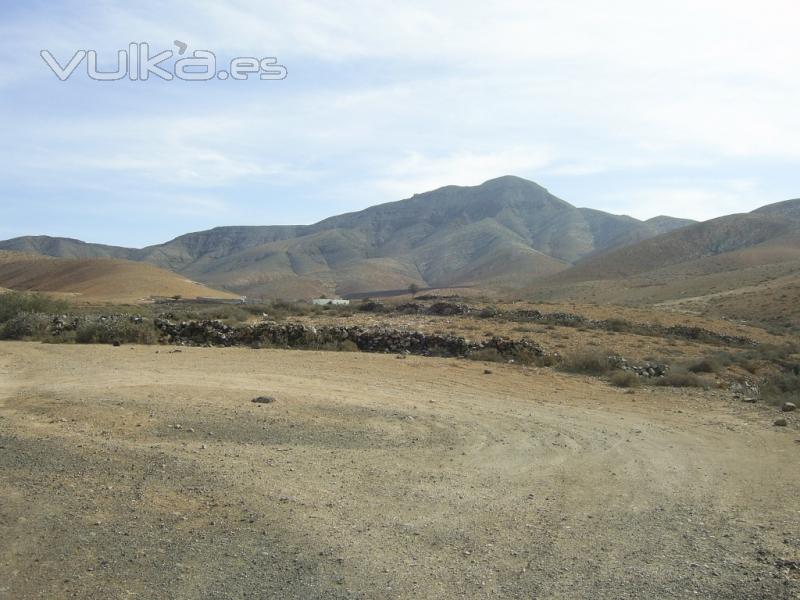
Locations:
(495, 233)
(742, 266)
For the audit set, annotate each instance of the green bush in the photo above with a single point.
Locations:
(15, 303)
(25, 325)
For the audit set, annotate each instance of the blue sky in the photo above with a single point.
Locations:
(642, 108)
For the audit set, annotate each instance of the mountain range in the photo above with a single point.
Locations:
(507, 236)
(741, 266)
(504, 232)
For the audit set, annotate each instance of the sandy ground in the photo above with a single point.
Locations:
(146, 473)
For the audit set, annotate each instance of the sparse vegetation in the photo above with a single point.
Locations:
(15, 303)
(488, 313)
(335, 346)
(521, 357)
(116, 331)
(782, 387)
(706, 365)
(222, 312)
(624, 379)
(488, 355)
(24, 326)
(681, 379)
(587, 362)
(368, 305)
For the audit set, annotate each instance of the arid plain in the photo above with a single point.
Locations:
(147, 471)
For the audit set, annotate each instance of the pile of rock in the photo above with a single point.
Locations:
(746, 390)
(409, 308)
(698, 333)
(64, 323)
(646, 369)
(446, 309)
(374, 339)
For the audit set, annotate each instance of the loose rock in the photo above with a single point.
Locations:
(264, 400)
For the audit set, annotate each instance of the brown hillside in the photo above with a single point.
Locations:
(711, 238)
(745, 267)
(108, 280)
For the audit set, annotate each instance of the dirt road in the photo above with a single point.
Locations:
(148, 473)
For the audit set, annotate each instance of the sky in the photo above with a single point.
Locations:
(686, 108)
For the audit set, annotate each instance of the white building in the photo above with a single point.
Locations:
(330, 301)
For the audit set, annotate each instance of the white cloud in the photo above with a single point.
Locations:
(194, 205)
(387, 99)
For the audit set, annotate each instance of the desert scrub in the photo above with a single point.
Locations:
(489, 312)
(16, 303)
(115, 331)
(682, 379)
(227, 313)
(587, 362)
(705, 365)
(335, 346)
(624, 379)
(520, 357)
(279, 310)
(371, 306)
(25, 326)
(487, 355)
(782, 387)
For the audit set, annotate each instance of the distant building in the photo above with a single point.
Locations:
(330, 301)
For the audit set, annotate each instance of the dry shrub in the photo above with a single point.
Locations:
(334, 346)
(487, 355)
(782, 387)
(587, 362)
(624, 379)
(122, 332)
(348, 346)
(705, 365)
(682, 379)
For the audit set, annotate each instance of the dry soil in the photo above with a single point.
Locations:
(148, 472)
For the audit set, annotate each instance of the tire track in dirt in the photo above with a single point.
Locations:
(374, 477)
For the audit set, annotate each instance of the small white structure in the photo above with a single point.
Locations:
(330, 301)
